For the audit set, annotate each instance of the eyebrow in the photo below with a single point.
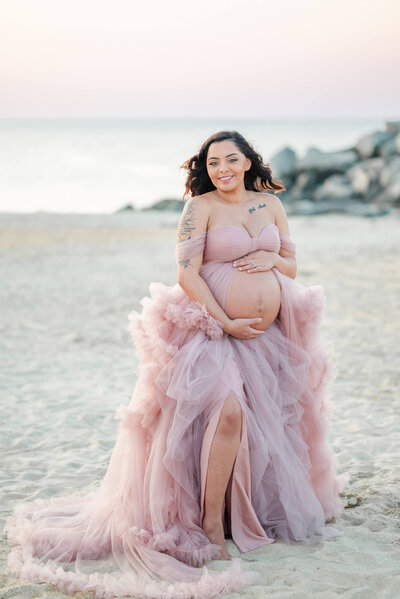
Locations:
(227, 156)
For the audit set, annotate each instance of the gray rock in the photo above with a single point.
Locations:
(327, 163)
(367, 210)
(309, 207)
(284, 196)
(306, 181)
(368, 145)
(335, 187)
(126, 208)
(167, 204)
(373, 166)
(304, 207)
(283, 163)
(389, 148)
(390, 171)
(390, 181)
(386, 198)
(359, 179)
(374, 189)
(393, 191)
(392, 127)
(364, 176)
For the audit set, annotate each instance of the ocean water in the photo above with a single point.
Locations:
(97, 166)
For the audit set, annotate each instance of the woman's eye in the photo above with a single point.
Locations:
(232, 160)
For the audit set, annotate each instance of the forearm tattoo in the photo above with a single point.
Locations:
(185, 263)
(187, 222)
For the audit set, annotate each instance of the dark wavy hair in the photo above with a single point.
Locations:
(257, 178)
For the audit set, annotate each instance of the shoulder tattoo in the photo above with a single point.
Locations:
(187, 222)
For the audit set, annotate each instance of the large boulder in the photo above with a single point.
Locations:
(283, 163)
(359, 179)
(392, 127)
(167, 204)
(390, 172)
(306, 181)
(364, 177)
(369, 145)
(389, 148)
(327, 163)
(126, 208)
(390, 182)
(334, 188)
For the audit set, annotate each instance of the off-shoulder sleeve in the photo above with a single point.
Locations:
(190, 247)
(287, 243)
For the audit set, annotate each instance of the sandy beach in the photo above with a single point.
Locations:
(68, 285)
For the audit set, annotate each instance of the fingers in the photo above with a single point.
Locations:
(246, 265)
(254, 333)
(251, 267)
(257, 331)
(243, 263)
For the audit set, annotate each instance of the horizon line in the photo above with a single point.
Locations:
(195, 118)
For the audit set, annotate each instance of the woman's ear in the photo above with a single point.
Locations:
(248, 164)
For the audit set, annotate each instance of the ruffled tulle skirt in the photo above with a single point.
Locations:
(140, 532)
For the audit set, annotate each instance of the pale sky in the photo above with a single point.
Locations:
(199, 58)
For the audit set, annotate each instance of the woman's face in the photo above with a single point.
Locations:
(226, 165)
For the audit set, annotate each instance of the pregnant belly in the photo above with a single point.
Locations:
(254, 295)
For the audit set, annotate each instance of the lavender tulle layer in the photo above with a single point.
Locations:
(140, 532)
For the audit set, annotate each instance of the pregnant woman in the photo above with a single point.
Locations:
(226, 431)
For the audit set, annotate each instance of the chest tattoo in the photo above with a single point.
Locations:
(253, 208)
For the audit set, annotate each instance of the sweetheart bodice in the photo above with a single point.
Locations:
(228, 243)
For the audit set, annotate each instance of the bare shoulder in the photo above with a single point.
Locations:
(194, 218)
(274, 203)
(278, 211)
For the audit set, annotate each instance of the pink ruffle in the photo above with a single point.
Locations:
(195, 316)
(168, 306)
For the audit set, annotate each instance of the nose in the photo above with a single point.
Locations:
(223, 168)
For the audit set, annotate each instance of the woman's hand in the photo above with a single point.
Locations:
(258, 261)
(241, 328)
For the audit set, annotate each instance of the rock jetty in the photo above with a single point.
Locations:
(363, 180)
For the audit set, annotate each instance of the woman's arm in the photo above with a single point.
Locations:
(193, 223)
(285, 260)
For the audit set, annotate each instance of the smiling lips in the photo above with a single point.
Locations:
(225, 179)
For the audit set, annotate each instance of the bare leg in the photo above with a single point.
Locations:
(223, 452)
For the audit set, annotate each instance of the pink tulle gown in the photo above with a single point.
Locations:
(140, 532)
